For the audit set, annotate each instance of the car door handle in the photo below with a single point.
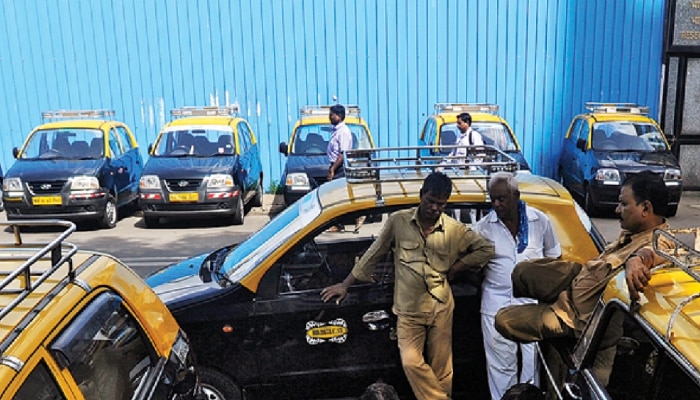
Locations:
(376, 320)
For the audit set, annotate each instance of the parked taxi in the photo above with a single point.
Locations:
(206, 162)
(307, 162)
(82, 325)
(440, 130)
(610, 142)
(254, 313)
(80, 167)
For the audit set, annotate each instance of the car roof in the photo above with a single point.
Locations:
(77, 123)
(323, 120)
(30, 316)
(669, 302)
(450, 117)
(213, 120)
(610, 117)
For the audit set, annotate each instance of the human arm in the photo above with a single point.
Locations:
(339, 290)
(478, 252)
(338, 162)
(638, 270)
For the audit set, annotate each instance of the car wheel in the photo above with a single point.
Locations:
(151, 222)
(258, 198)
(217, 386)
(109, 216)
(238, 213)
(672, 210)
(588, 203)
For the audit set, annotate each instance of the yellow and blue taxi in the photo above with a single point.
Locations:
(440, 130)
(610, 142)
(82, 325)
(253, 310)
(80, 166)
(657, 347)
(204, 163)
(307, 162)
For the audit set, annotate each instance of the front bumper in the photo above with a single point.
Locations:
(73, 206)
(607, 196)
(155, 204)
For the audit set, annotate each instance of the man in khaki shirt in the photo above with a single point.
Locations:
(568, 292)
(429, 248)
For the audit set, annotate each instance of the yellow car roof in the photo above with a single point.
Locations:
(77, 123)
(607, 117)
(214, 120)
(450, 117)
(323, 120)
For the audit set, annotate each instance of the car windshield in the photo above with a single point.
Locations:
(313, 139)
(494, 134)
(249, 253)
(64, 143)
(197, 141)
(627, 136)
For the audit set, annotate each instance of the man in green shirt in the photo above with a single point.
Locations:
(429, 248)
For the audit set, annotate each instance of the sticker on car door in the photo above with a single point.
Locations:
(335, 331)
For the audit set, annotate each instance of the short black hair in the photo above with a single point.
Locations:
(438, 184)
(380, 391)
(465, 117)
(647, 185)
(338, 110)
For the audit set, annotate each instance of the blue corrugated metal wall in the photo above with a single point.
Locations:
(539, 59)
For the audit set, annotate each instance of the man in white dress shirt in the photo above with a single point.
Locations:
(467, 136)
(518, 232)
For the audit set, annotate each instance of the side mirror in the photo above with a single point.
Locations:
(15, 152)
(581, 144)
(284, 149)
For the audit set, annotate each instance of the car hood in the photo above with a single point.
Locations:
(30, 170)
(313, 166)
(189, 167)
(180, 284)
(636, 160)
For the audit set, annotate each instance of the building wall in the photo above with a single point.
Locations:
(540, 60)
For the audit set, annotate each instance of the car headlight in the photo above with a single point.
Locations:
(673, 177)
(609, 176)
(84, 183)
(12, 185)
(298, 181)
(149, 182)
(220, 181)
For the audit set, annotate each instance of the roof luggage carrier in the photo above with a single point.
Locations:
(467, 107)
(609, 108)
(230, 110)
(351, 110)
(65, 114)
(391, 164)
(57, 251)
(682, 256)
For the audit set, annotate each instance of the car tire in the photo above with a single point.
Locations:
(238, 212)
(217, 386)
(109, 215)
(151, 222)
(257, 200)
(588, 203)
(672, 211)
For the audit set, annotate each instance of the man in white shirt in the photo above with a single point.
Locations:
(518, 232)
(467, 136)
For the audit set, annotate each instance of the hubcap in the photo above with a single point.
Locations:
(111, 212)
(211, 393)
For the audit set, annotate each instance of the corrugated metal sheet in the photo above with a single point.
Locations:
(539, 59)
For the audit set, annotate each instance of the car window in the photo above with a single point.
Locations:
(244, 137)
(430, 132)
(71, 143)
(105, 350)
(115, 147)
(39, 385)
(627, 135)
(125, 138)
(313, 139)
(579, 130)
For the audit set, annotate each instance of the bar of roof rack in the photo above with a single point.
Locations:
(58, 251)
(682, 256)
(382, 165)
(350, 109)
(625, 108)
(230, 110)
(62, 114)
(467, 107)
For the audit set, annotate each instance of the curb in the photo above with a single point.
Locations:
(272, 205)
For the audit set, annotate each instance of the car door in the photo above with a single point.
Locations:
(303, 337)
(132, 159)
(573, 154)
(246, 158)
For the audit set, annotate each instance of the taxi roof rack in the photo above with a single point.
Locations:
(401, 164)
(230, 110)
(64, 114)
(467, 107)
(682, 256)
(58, 251)
(350, 110)
(610, 108)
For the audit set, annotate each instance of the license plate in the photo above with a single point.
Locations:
(47, 201)
(183, 197)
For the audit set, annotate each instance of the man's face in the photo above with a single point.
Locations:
(630, 213)
(462, 126)
(431, 206)
(334, 118)
(503, 200)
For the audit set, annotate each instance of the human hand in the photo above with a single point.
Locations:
(330, 174)
(338, 290)
(637, 275)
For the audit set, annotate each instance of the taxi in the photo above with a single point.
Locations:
(206, 162)
(254, 313)
(658, 350)
(307, 162)
(82, 166)
(440, 130)
(610, 142)
(82, 325)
